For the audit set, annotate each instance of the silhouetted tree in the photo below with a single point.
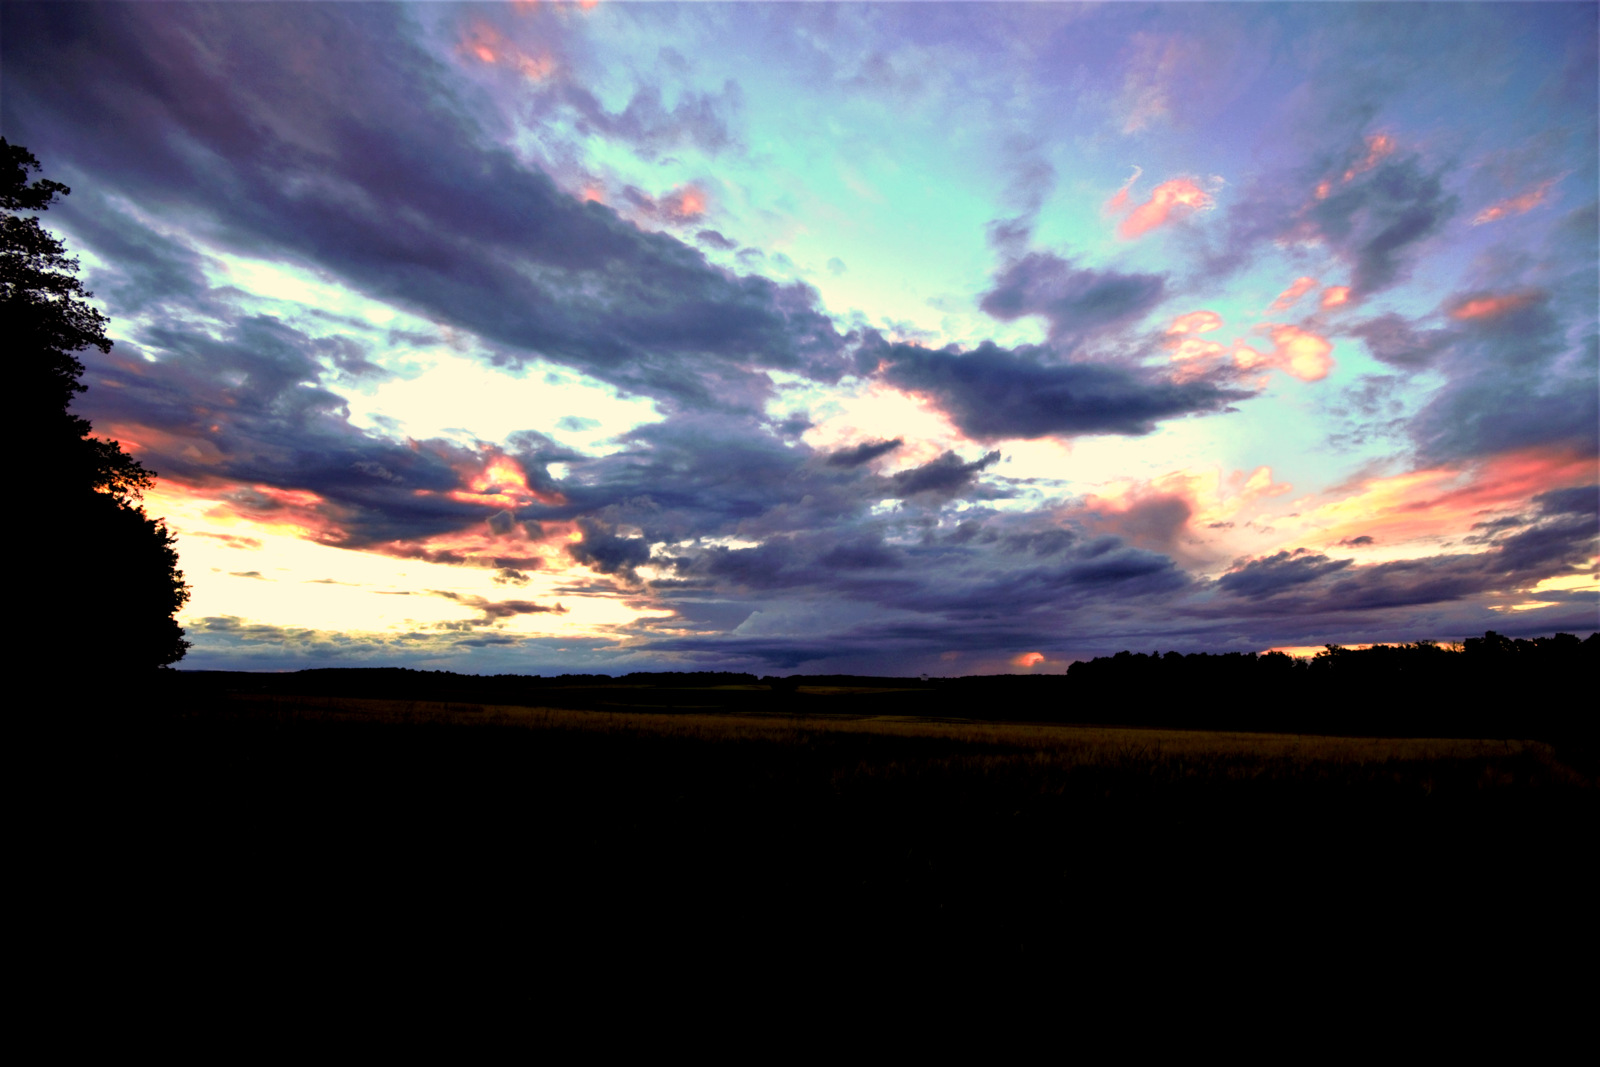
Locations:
(101, 578)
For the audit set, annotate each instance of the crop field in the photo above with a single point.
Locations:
(403, 824)
(1042, 749)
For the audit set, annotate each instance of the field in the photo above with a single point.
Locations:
(250, 825)
(991, 834)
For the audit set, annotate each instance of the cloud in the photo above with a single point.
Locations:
(1369, 202)
(1520, 204)
(1195, 322)
(1273, 574)
(716, 240)
(1291, 295)
(1374, 220)
(602, 550)
(865, 452)
(1492, 305)
(1156, 522)
(1523, 375)
(1119, 200)
(1077, 302)
(1395, 340)
(1301, 353)
(993, 393)
(946, 476)
(496, 610)
(1169, 202)
(399, 194)
(1147, 86)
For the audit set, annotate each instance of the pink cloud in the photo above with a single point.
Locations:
(1119, 200)
(1287, 298)
(1492, 305)
(685, 202)
(1171, 200)
(1520, 204)
(1028, 659)
(1335, 295)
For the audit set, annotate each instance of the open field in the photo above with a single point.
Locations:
(422, 826)
(1043, 748)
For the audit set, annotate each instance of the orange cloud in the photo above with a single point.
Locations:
(499, 482)
(1301, 353)
(1028, 659)
(1335, 295)
(1516, 205)
(1247, 358)
(1379, 145)
(1287, 298)
(1492, 305)
(1171, 200)
(1195, 322)
(1447, 500)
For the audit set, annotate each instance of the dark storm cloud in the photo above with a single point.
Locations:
(946, 476)
(399, 192)
(924, 601)
(603, 550)
(993, 392)
(865, 452)
(1584, 500)
(1077, 302)
(1273, 574)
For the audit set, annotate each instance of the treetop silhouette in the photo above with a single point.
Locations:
(104, 582)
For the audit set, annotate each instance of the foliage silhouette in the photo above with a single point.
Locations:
(104, 581)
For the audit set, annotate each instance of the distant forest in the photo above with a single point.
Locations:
(1489, 686)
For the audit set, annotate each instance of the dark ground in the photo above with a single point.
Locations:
(234, 837)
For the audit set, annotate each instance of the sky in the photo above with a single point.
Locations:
(837, 338)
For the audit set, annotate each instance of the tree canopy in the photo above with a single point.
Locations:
(104, 579)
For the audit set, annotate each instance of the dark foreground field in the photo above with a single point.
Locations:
(249, 827)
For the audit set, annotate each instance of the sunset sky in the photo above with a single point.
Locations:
(865, 338)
